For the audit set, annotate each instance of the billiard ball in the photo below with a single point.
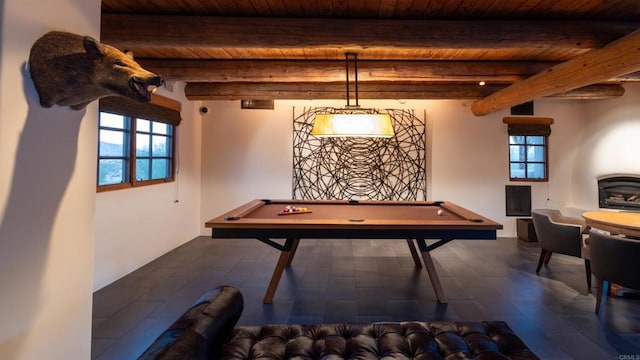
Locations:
(440, 212)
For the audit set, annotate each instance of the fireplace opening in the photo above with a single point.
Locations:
(619, 192)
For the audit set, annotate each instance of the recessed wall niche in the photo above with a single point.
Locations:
(518, 200)
(356, 168)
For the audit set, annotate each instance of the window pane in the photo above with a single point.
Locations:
(517, 153)
(160, 169)
(516, 171)
(143, 125)
(112, 143)
(516, 139)
(535, 171)
(112, 120)
(535, 140)
(142, 169)
(111, 171)
(160, 147)
(142, 144)
(535, 153)
(160, 128)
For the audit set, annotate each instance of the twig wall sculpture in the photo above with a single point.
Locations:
(360, 168)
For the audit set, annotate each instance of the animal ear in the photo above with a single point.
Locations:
(92, 46)
(129, 53)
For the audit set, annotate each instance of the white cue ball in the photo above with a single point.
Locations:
(440, 212)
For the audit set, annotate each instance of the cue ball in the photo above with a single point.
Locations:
(440, 212)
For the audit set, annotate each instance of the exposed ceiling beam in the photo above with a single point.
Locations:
(504, 72)
(126, 31)
(403, 78)
(369, 90)
(617, 58)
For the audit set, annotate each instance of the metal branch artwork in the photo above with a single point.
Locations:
(353, 168)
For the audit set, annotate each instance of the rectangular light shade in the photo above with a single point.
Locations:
(353, 125)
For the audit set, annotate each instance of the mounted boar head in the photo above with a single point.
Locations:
(73, 70)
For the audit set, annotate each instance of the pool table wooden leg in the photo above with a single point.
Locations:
(275, 278)
(294, 247)
(414, 253)
(433, 276)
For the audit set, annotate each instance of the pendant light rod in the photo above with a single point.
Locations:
(346, 62)
(348, 56)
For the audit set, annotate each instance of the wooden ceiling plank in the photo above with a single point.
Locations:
(127, 31)
(618, 58)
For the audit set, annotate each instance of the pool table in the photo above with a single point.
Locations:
(419, 221)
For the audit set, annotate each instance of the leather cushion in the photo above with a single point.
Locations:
(397, 340)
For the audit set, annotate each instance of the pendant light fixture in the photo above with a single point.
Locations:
(353, 121)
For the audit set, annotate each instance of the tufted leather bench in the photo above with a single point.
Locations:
(207, 331)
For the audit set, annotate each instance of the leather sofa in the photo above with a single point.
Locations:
(207, 330)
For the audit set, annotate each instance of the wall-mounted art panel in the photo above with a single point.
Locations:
(360, 168)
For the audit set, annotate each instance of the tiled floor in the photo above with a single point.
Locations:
(363, 281)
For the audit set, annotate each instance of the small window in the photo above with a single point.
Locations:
(528, 157)
(528, 148)
(135, 144)
(148, 155)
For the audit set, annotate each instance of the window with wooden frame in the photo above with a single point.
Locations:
(136, 142)
(528, 148)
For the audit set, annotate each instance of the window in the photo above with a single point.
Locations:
(528, 148)
(135, 146)
(527, 157)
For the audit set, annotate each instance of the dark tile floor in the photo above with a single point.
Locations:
(363, 281)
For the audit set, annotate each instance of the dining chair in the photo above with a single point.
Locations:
(614, 259)
(561, 234)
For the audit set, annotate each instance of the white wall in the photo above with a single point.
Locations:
(47, 194)
(610, 144)
(247, 154)
(135, 226)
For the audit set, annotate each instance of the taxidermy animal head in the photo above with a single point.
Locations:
(73, 70)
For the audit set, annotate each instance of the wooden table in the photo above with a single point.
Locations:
(616, 222)
(441, 221)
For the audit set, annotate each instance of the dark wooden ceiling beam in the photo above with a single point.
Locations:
(370, 90)
(617, 58)
(127, 31)
(505, 72)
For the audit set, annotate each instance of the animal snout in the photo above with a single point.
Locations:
(156, 80)
(145, 86)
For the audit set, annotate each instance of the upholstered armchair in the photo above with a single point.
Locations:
(563, 235)
(614, 259)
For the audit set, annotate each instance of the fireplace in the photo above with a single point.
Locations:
(619, 192)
